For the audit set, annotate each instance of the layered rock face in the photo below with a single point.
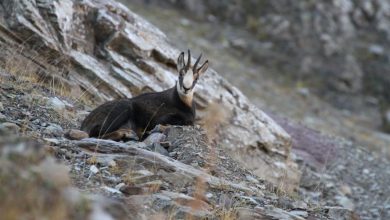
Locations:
(102, 51)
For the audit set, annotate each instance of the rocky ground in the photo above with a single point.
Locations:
(342, 160)
(176, 174)
(239, 165)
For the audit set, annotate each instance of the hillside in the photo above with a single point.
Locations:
(60, 59)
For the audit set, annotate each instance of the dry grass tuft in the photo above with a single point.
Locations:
(213, 118)
(31, 69)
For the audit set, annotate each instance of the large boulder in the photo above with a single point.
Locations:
(103, 51)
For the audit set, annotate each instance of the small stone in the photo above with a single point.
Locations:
(305, 92)
(94, 169)
(120, 185)
(159, 149)
(376, 49)
(56, 104)
(9, 128)
(74, 134)
(52, 141)
(36, 121)
(299, 213)
(285, 203)
(185, 22)
(3, 118)
(299, 205)
(252, 179)
(249, 200)
(346, 190)
(53, 130)
(195, 164)
(111, 190)
(112, 163)
(173, 154)
(1, 106)
(209, 195)
(131, 190)
(243, 213)
(345, 202)
(154, 138)
(339, 213)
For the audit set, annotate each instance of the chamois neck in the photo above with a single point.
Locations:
(185, 98)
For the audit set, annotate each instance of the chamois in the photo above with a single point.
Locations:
(127, 119)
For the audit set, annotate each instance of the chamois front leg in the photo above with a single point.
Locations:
(125, 132)
(121, 134)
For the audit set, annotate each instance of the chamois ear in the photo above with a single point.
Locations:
(203, 68)
(180, 62)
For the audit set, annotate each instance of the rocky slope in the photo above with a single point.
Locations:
(60, 58)
(175, 174)
(335, 171)
(105, 51)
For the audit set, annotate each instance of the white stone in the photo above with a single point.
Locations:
(56, 104)
(94, 169)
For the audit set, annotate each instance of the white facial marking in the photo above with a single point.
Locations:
(185, 97)
(188, 80)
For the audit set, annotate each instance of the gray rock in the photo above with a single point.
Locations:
(299, 205)
(53, 130)
(345, 202)
(156, 147)
(9, 128)
(56, 104)
(94, 169)
(74, 134)
(154, 138)
(52, 141)
(299, 213)
(376, 49)
(3, 118)
(252, 179)
(276, 213)
(340, 213)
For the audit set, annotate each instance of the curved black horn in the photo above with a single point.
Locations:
(196, 63)
(189, 60)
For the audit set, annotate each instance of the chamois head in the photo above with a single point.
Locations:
(188, 76)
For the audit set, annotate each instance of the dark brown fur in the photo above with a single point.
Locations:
(139, 114)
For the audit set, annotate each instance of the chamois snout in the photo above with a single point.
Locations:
(189, 76)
